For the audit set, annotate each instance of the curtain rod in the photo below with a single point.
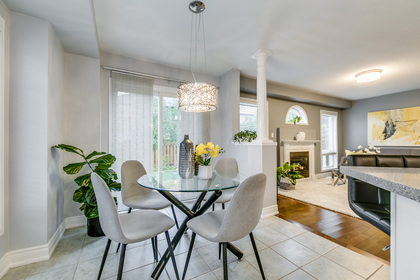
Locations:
(142, 74)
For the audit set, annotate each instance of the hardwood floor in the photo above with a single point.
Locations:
(350, 232)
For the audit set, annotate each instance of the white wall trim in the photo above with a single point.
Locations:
(32, 254)
(75, 221)
(52, 244)
(269, 211)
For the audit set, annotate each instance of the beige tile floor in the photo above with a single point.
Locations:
(287, 252)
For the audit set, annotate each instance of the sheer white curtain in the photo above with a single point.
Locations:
(131, 120)
(196, 125)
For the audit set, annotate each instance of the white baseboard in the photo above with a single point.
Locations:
(31, 255)
(269, 211)
(52, 244)
(75, 221)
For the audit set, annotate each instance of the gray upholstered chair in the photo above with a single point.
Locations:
(136, 197)
(238, 221)
(226, 167)
(127, 228)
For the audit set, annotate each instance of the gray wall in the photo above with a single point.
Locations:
(355, 119)
(28, 133)
(55, 215)
(290, 93)
(36, 104)
(82, 117)
(277, 110)
(277, 116)
(4, 238)
(225, 120)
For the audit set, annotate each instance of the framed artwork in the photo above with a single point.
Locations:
(398, 127)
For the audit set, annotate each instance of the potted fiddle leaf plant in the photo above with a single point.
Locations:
(287, 175)
(100, 163)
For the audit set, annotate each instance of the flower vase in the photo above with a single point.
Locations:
(186, 158)
(205, 172)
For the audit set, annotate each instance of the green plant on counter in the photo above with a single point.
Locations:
(289, 171)
(98, 162)
(245, 136)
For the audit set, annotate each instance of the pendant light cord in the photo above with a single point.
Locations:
(197, 23)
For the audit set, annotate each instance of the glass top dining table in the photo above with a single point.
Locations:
(166, 182)
(171, 181)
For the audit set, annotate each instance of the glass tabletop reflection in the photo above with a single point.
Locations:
(171, 181)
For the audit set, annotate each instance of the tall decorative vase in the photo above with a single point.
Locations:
(205, 172)
(186, 158)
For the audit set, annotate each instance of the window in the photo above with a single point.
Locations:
(248, 114)
(2, 155)
(296, 112)
(146, 125)
(328, 140)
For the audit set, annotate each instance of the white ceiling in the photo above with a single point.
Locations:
(317, 45)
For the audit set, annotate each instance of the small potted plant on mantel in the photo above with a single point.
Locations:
(287, 175)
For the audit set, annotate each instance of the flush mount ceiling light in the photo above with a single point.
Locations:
(368, 75)
(197, 96)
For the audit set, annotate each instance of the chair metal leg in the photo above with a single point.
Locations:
(189, 255)
(212, 207)
(122, 256)
(129, 210)
(154, 249)
(225, 265)
(104, 258)
(257, 256)
(173, 213)
(223, 206)
(220, 250)
(171, 251)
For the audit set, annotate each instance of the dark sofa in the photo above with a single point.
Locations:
(369, 202)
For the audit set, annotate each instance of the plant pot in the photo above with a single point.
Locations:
(94, 227)
(285, 184)
(205, 172)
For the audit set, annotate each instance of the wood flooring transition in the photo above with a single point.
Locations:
(352, 233)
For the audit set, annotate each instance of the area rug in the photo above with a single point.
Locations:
(320, 192)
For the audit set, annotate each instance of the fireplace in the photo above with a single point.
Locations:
(303, 159)
(304, 150)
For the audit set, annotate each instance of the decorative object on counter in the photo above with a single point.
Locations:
(398, 127)
(186, 158)
(360, 150)
(300, 136)
(100, 163)
(244, 136)
(203, 156)
(287, 175)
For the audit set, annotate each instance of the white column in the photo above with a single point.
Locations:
(262, 130)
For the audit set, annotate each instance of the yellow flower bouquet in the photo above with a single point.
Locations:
(204, 153)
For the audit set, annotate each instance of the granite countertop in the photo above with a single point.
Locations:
(402, 181)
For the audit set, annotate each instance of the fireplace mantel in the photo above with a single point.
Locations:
(300, 142)
(301, 146)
